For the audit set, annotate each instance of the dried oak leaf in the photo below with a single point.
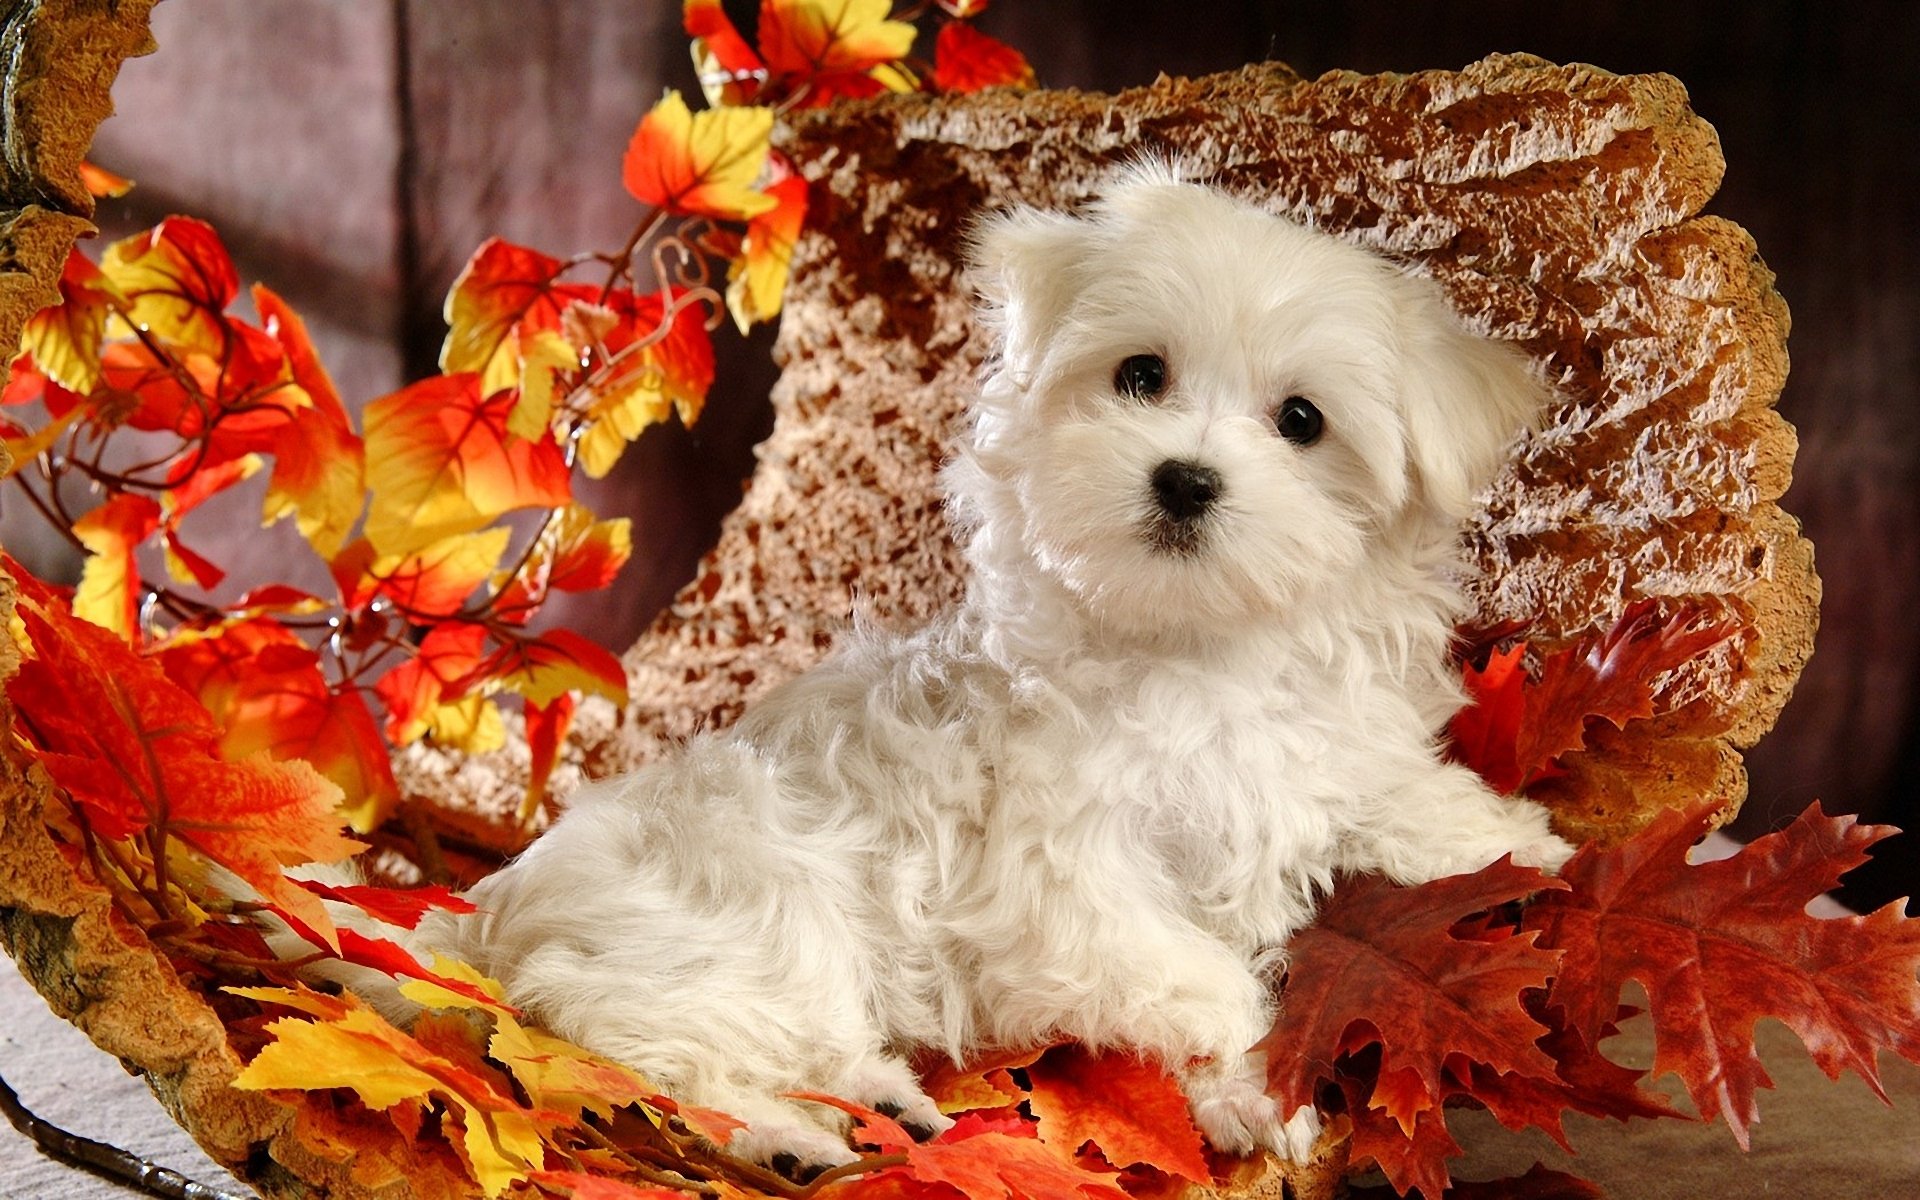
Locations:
(1719, 945)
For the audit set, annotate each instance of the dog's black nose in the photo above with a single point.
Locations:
(1185, 490)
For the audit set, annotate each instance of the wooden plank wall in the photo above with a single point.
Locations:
(355, 151)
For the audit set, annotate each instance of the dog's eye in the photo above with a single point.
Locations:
(1141, 376)
(1299, 421)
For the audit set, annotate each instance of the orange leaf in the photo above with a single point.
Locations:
(318, 461)
(102, 183)
(804, 39)
(757, 279)
(501, 286)
(730, 72)
(434, 581)
(593, 1187)
(574, 553)
(982, 1083)
(1130, 1109)
(441, 462)
(966, 60)
(561, 1076)
(699, 164)
(1000, 1166)
(138, 753)
(265, 688)
(558, 661)
(396, 906)
(109, 591)
(178, 280)
(647, 375)
(64, 339)
(412, 690)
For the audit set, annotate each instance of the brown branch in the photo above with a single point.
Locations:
(110, 1162)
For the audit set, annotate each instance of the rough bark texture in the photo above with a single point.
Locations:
(1556, 204)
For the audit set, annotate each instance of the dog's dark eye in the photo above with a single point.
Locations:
(1141, 376)
(1299, 421)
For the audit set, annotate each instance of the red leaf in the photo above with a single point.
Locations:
(178, 281)
(966, 60)
(382, 955)
(410, 691)
(1416, 1160)
(870, 1128)
(547, 726)
(1719, 945)
(1484, 734)
(318, 461)
(109, 590)
(502, 287)
(545, 667)
(396, 906)
(1130, 1108)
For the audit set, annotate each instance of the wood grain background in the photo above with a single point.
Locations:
(353, 152)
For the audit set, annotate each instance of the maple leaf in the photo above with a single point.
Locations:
(64, 339)
(655, 364)
(139, 755)
(561, 1076)
(757, 279)
(966, 60)
(1131, 1109)
(1514, 730)
(699, 164)
(265, 688)
(350, 1046)
(109, 592)
(1719, 945)
(411, 691)
(441, 462)
(433, 581)
(319, 461)
(980, 1084)
(177, 279)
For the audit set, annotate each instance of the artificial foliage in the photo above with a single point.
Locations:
(199, 747)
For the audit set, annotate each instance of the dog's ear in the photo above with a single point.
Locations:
(1466, 398)
(1024, 264)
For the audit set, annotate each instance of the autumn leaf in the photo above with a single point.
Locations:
(560, 1076)
(411, 691)
(103, 184)
(139, 755)
(109, 593)
(178, 281)
(815, 40)
(441, 462)
(982, 1083)
(546, 667)
(265, 687)
(655, 366)
(501, 286)
(1515, 729)
(318, 461)
(699, 164)
(1720, 945)
(1129, 1108)
(966, 60)
(547, 726)
(575, 552)
(578, 1186)
(434, 581)
(64, 339)
(350, 1046)
(758, 278)
(730, 72)
(396, 906)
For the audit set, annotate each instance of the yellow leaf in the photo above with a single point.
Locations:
(109, 590)
(471, 724)
(356, 1050)
(21, 452)
(560, 1075)
(428, 994)
(178, 281)
(756, 280)
(702, 164)
(435, 580)
(545, 353)
(803, 38)
(64, 339)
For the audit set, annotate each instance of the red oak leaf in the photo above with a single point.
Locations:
(966, 60)
(1131, 1109)
(1516, 729)
(998, 1166)
(1719, 945)
(980, 1083)
(1380, 963)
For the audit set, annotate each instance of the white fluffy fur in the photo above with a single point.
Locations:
(1095, 800)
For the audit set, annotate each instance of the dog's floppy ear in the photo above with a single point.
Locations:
(1466, 398)
(1025, 265)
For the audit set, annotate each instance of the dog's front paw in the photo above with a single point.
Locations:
(1549, 853)
(1236, 1115)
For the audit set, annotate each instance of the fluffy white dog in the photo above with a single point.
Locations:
(1210, 498)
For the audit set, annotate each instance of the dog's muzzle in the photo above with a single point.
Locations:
(1183, 492)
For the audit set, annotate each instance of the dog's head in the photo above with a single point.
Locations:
(1200, 412)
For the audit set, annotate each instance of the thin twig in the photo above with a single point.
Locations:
(111, 1162)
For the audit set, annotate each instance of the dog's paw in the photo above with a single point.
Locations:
(1236, 1115)
(1548, 853)
(888, 1087)
(795, 1147)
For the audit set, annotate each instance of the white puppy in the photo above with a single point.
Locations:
(1210, 498)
